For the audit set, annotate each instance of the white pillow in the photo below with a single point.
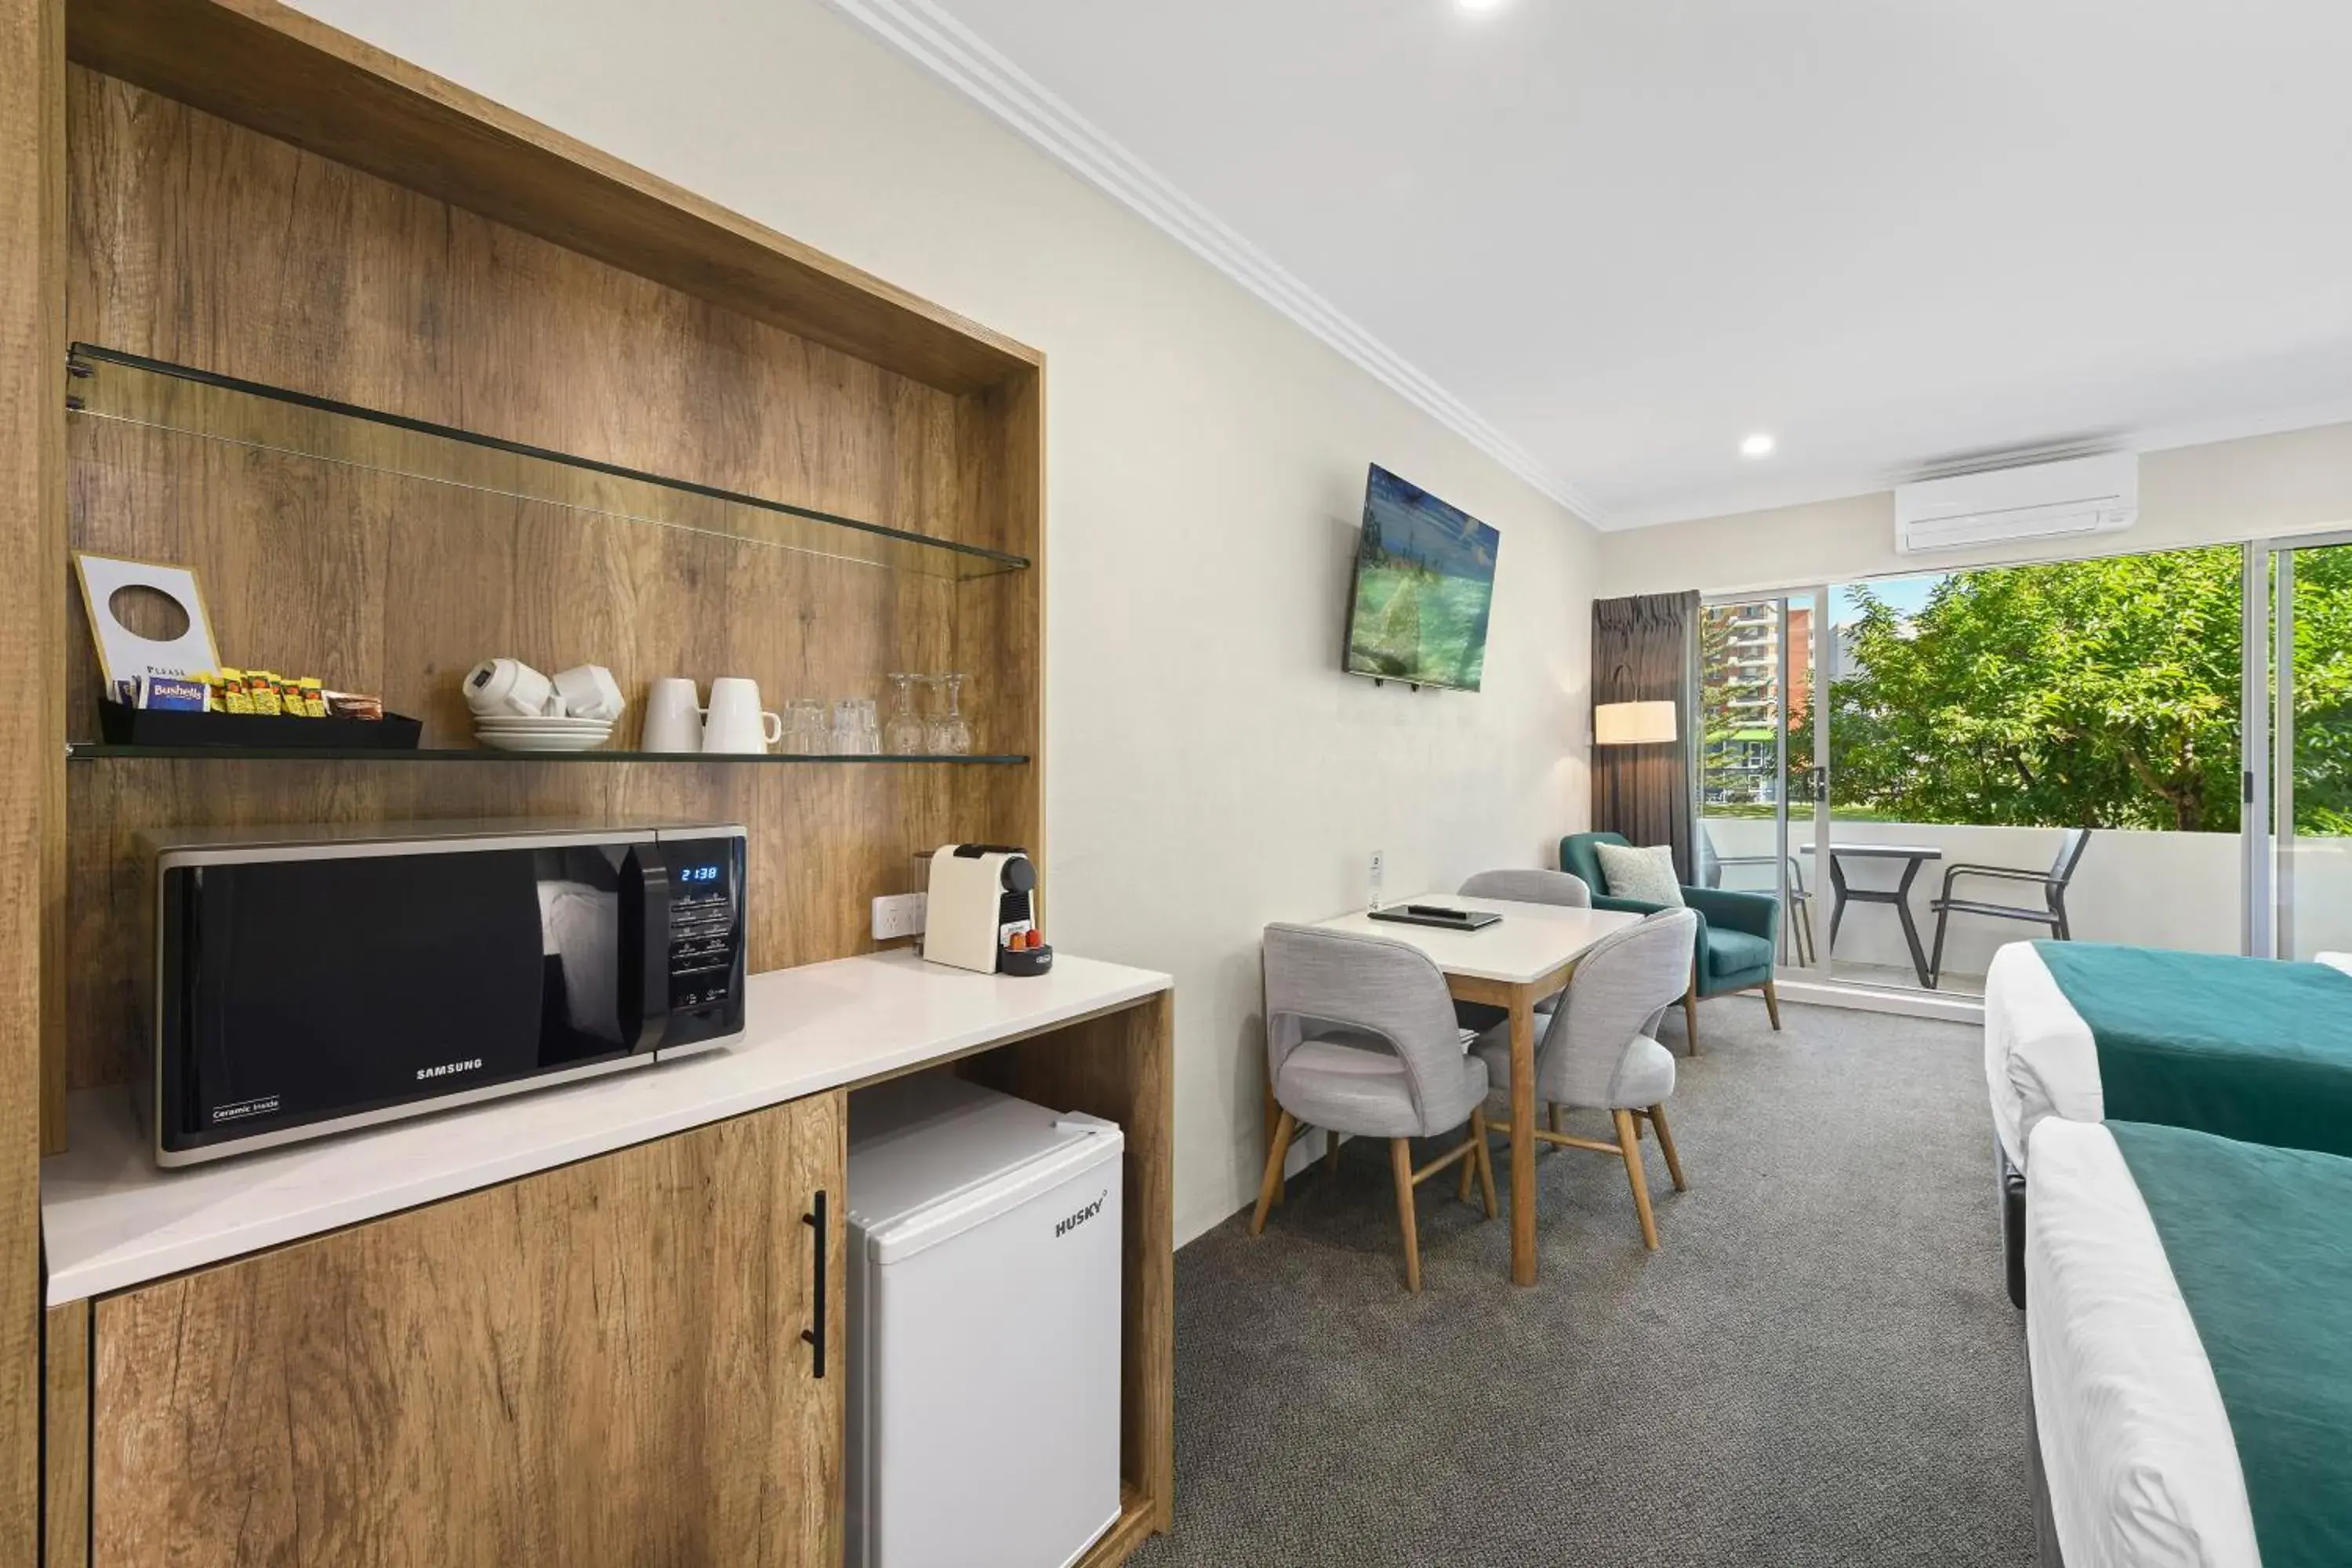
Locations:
(1646, 875)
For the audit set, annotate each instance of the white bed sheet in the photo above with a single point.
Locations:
(2040, 1058)
(2135, 1442)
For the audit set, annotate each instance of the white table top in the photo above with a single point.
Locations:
(1881, 851)
(112, 1218)
(1528, 944)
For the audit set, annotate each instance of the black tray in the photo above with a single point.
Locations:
(1438, 916)
(123, 726)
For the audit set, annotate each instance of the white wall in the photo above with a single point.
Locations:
(1209, 768)
(2293, 483)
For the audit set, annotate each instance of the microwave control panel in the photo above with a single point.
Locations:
(705, 936)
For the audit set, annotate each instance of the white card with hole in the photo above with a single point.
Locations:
(125, 654)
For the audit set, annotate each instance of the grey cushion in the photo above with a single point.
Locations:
(1349, 1089)
(1646, 876)
(1736, 951)
(1645, 1076)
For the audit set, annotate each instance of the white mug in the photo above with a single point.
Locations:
(589, 691)
(736, 721)
(508, 686)
(673, 716)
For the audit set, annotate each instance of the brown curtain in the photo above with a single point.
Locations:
(1645, 649)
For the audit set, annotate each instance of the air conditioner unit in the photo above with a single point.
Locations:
(2002, 506)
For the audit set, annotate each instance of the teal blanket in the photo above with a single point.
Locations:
(2260, 1242)
(2248, 1048)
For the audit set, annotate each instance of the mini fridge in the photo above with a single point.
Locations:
(983, 1419)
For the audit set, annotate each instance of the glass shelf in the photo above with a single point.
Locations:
(106, 384)
(94, 751)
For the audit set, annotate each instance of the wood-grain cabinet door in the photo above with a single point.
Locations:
(600, 1365)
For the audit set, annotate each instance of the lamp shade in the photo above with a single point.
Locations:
(1633, 723)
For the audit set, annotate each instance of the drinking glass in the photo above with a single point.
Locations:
(905, 735)
(854, 730)
(948, 735)
(804, 729)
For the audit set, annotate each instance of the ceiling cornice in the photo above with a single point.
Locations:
(950, 51)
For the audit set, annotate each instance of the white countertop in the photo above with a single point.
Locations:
(112, 1218)
(1528, 944)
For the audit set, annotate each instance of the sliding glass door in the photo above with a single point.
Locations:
(2311, 723)
(1756, 762)
(1924, 767)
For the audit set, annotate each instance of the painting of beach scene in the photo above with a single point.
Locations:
(1424, 584)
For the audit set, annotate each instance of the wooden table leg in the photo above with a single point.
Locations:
(1523, 1136)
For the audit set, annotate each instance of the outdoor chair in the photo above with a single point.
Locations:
(2051, 912)
(1801, 897)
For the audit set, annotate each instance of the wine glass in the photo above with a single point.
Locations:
(906, 735)
(950, 736)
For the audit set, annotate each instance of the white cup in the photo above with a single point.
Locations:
(736, 721)
(589, 691)
(503, 686)
(673, 716)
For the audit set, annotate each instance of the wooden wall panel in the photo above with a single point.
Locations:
(64, 1426)
(500, 1379)
(32, 63)
(270, 66)
(201, 242)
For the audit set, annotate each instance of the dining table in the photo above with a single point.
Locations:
(1527, 956)
(1913, 856)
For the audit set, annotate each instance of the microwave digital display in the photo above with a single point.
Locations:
(699, 874)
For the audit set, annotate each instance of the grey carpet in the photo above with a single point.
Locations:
(1819, 1368)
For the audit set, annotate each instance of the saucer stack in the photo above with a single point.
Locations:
(516, 733)
(516, 708)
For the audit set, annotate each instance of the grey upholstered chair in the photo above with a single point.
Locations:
(1530, 887)
(1524, 887)
(1600, 1052)
(1360, 1039)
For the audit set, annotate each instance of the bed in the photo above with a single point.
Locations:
(2251, 1048)
(2189, 1332)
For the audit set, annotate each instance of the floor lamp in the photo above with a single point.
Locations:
(1630, 724)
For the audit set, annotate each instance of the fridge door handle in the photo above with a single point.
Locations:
(814, 1337)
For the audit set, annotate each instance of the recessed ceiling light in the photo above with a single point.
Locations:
(1479, 5)
(1756, 445)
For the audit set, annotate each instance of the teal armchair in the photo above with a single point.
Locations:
(1738, 933)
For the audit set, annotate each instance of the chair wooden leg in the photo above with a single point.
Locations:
(1632, 1152)
(1552, 1114)
(1462, 1179)
(1400, 1156)
(1270, 1189)
(1330, 1152)
(1274, 1118)
(1690, 1014)
(1772, 1002)
(1484, 1161)
(1657, 1115)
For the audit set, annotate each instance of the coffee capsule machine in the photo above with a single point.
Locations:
(981, 912)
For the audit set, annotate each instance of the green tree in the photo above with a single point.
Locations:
(2095, 693)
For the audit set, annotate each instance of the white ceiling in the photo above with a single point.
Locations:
(1608, 239)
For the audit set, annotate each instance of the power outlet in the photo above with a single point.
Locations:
(899, 915)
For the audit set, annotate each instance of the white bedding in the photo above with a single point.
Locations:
(2142, 1467)
(2040, 1058)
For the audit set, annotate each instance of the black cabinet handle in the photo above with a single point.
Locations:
(816, 1336)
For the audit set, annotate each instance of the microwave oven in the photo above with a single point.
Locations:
(311, 980)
